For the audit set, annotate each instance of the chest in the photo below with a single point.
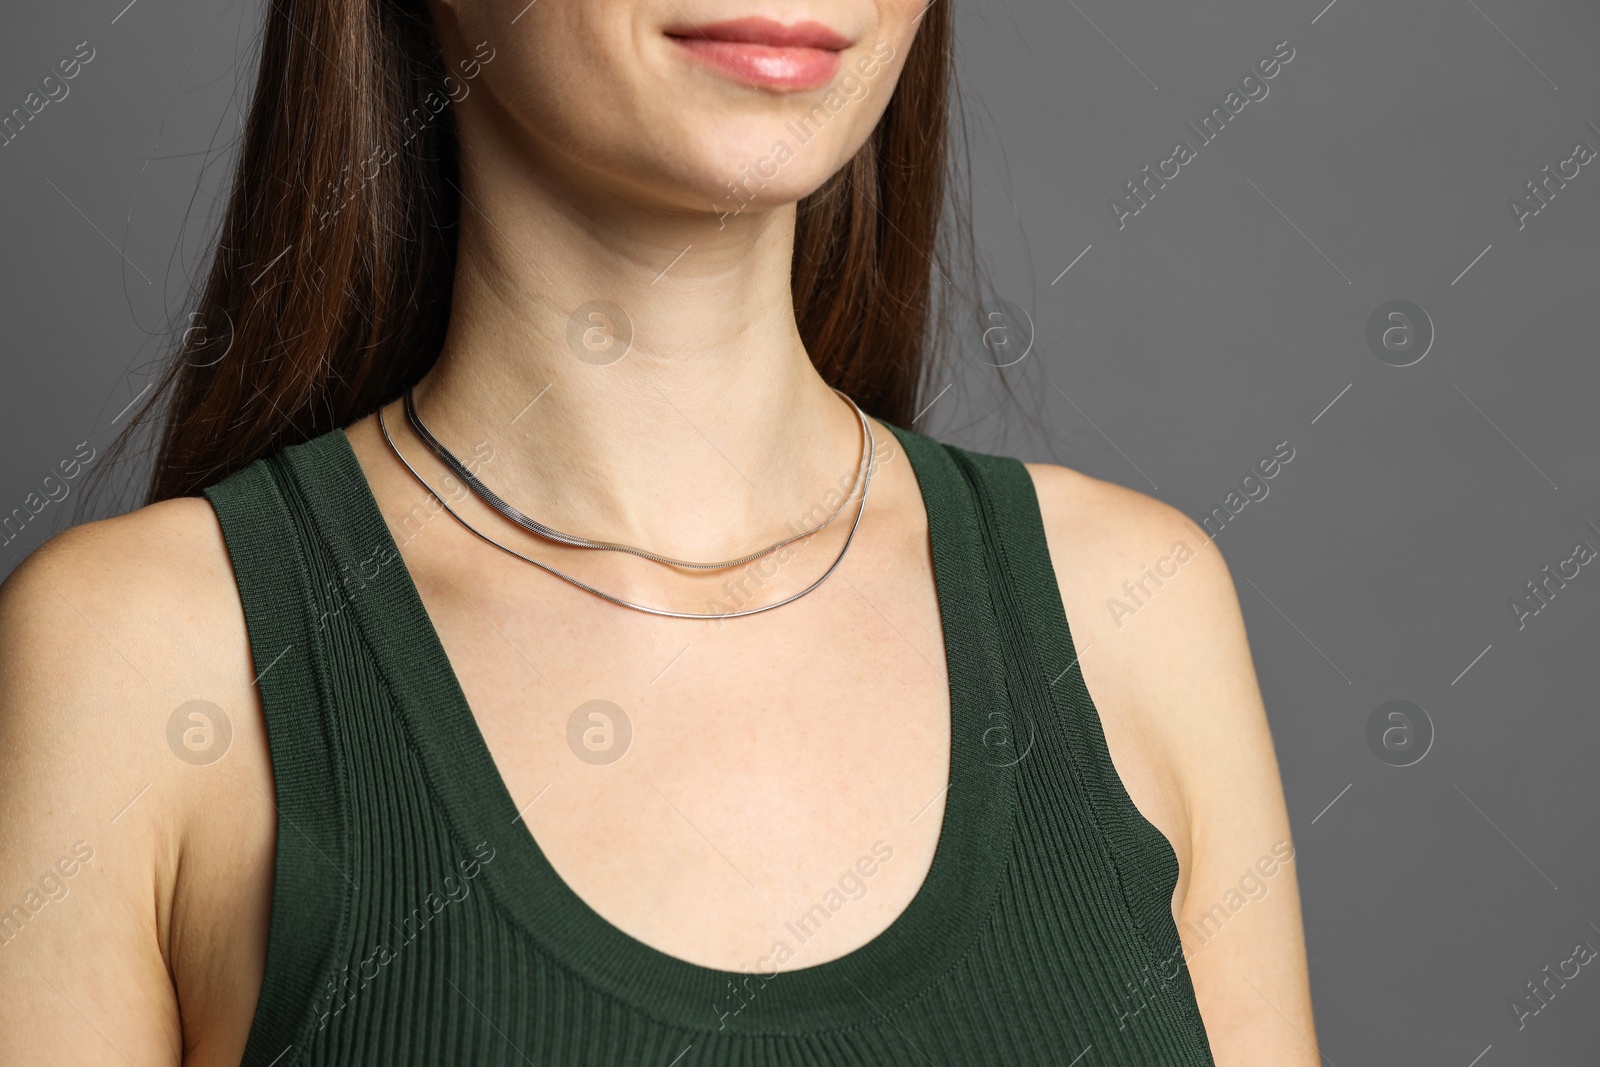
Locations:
(705, 786)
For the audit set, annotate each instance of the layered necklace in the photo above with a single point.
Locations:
(863, 481)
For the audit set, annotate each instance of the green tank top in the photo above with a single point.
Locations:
(415, 920)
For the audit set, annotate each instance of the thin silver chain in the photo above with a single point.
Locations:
(865, 481)
(498, 503)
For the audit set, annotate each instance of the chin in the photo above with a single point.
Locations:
(766, 167)
(762, 150)
(697, 105)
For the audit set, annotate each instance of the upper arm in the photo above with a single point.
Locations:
(103, 633)
(1165, 655)
(79, 960)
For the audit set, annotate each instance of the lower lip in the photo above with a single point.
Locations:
(766, 66)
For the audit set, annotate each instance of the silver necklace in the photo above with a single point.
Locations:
(865, 480)
(499, 504)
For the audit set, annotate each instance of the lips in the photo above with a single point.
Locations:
(765, 54)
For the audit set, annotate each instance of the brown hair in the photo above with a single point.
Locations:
(329, 291)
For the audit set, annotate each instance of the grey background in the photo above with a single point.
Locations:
(1225, 317)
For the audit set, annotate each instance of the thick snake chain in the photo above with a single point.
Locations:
(494, 501)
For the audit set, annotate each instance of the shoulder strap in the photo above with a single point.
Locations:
(1145, 863)
(273, 567)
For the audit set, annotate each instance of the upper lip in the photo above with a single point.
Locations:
(764, 31)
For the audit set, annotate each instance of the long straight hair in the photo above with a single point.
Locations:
(329, 291)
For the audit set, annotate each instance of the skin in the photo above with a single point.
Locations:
(591, 138)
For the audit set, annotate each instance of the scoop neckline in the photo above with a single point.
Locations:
(922, 943)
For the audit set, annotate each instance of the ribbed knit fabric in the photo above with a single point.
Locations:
(415, 921)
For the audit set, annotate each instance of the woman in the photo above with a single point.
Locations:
(745, 728)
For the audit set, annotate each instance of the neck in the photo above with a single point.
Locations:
(683, 413)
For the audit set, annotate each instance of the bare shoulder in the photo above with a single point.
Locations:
(1144, 584)
(102, 605)
(148, 540)
(1156, 620)
(1164, 653)
(1118, 533)
(133, 599)
(106, 631)
(128, 722)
